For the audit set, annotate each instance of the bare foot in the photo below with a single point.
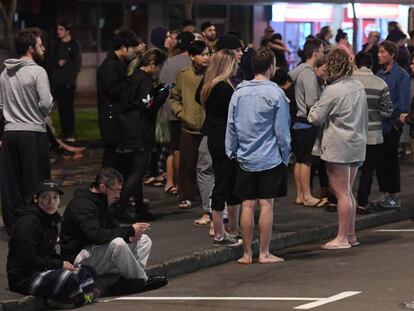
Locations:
(335, 244)
(270, 259)
(245, 260)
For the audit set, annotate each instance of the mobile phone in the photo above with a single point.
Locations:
(167, 86)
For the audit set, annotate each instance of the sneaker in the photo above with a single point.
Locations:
(155, 282)
(227, 241)
(92, 297)
(390, 202)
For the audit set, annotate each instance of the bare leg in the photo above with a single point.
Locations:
(247, 227)
(339, 178)
(176, 160)
(170, 173)
(218, 224)
(233, 214)
(351, 231)
(265, 230)
(299, 193)
(305, 171)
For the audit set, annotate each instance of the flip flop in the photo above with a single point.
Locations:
(354, 244)
(185, 204)
(334, 246)
(172, 190)
(319, 203)
(202, 222)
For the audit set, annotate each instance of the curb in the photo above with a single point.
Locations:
(215, 256)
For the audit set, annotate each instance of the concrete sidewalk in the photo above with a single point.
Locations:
(179, 247)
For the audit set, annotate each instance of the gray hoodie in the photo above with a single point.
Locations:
(307, 89)
(25, 98)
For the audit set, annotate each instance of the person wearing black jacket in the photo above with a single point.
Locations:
(137, 114)
(91, 236)
(110, 77)
(34, 267)
(67, 63)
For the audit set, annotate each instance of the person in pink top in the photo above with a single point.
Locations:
(342, 42)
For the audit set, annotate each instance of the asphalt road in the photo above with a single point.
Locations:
(377, 275)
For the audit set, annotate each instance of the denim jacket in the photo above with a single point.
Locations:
(258, 124)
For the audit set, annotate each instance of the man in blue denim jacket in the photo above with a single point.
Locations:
(398, 81)
(258, 136)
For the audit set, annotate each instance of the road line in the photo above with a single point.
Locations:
(394, 230)
(129, 298)
(325, 301)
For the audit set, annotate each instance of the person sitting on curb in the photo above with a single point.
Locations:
(90, 235)
(34, 267)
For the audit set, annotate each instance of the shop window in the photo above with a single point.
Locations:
(211, 11)
(86, 25)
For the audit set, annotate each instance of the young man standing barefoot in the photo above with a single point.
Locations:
(258, 137)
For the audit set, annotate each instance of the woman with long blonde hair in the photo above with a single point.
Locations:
(215, 97)
(342, 111)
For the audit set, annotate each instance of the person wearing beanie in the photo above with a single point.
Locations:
(231, 42)
(208, 31)
(168, 74)
(160, 38)
(34, 267)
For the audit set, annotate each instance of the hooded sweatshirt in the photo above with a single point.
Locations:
(307, 90)
(25, 97)
(88, 220)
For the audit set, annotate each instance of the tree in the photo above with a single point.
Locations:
(7, 10)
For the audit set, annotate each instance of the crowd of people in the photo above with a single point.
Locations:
(213, 121)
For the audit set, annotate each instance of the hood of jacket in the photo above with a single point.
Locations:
(14, 64)
(86, 193)
(294, 73)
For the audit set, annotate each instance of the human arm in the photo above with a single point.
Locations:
(310, 84)
(385, 104)
(282, 129)
(140, 228)
(232, 140)
(176, 99)
(43, 92)
(111, 78)
(319, 112)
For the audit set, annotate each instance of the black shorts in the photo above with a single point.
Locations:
(267, 184)
(304, 141)
(175, 131)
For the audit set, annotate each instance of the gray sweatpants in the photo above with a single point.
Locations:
(205, 174)
(127, 259)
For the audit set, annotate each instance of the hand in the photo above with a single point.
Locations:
(68, 266)
(61, 62)
(135, 238)
(140, 227)
(402, 117)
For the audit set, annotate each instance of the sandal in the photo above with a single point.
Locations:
(171, 190)
(203, 221)
(185, 204)
(319, 203)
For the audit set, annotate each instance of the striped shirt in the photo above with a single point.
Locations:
(379, 103)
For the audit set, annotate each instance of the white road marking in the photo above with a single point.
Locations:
(394, 230)
(316, 301)
(325, 301)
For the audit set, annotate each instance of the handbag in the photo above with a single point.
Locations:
(162, 128)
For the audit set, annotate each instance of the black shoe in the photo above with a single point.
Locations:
(144, 215)
(155, 282)
(362, 210)
(131, 286)
(124, 218)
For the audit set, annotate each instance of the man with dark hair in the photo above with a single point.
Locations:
(258, 124)
(188, 25)
(90, 235)
(208, 31)
(109, 80)
(398, 81)
(168, 74)
(191, 116)
(380, 108)
(25, 101)
(410, 46)
(307, 93)
(67, 64)
(371, 47)
(403, 58)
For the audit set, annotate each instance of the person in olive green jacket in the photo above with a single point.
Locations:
(191, 116)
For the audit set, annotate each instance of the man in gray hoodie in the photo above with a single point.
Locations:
(25, 101)
(307, 93)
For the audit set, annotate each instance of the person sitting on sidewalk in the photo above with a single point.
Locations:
(34, 267)
(91, 236)
(258, 136)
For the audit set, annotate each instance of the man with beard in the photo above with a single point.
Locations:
(208, 30)
(25, 101)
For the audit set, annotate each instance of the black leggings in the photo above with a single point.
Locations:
(132, 167)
